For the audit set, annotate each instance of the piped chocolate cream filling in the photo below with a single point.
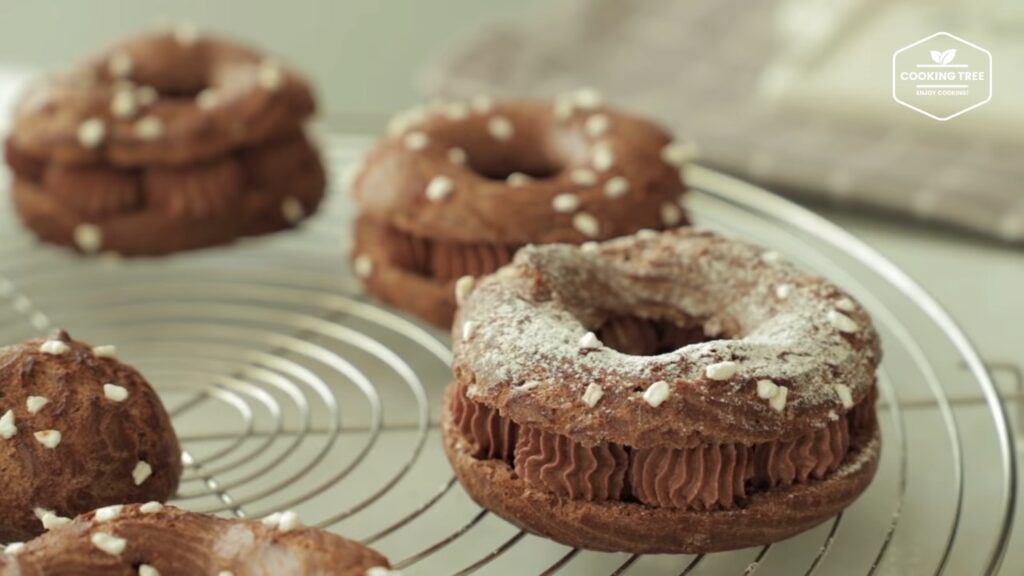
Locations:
(704, 477)
(642, 337)
(194, 191)
(445, 261)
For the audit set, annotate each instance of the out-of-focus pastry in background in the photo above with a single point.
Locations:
(168, 141)
(457, 187)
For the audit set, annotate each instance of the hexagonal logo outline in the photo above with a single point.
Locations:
(925, 112)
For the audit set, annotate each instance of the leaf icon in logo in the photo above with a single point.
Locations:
(943, 57)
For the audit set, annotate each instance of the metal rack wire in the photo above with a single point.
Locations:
(289, 389)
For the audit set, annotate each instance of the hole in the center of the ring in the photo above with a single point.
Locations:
(644, 337)
(183, 86)
(496, 167)
(504, 170)
(181, 92)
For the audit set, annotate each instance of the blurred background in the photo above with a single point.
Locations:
(792, 94)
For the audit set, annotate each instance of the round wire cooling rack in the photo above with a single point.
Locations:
(290, 390)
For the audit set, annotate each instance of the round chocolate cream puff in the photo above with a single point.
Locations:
(156, 540)
(78, 430)
(165, 142)
(678, 392)
(457, 188)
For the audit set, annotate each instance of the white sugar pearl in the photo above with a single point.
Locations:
(292, 210)
(363, 266)
(416, 140)
(108, 543)
(108, 513)
(845, 304)
(842, 322)
(844, 394)
(289, 521)
(564, 107)
(590, 247)
(671, 214)
(8, 429)
(36, 403)
(207, 99)
(270, 75)
(771, 256)
(778, 401)
(141, 472)
(457, 155)
(616, 187)
(583, 177)
(587, 98)
(603, 158)
(15, 548)
(721, 370)
(586, 224)
(656, 393)
(91, 133)
(782, 291)
(439, 188)
(151, 507)
(679, 153)
(501, 128)
(468, 329)
(517, 179)
(186, 33)
(775, 395)
(590, 341)
(48, 438)
(647, 234)
(481, 103)
(592, 395)
(147, 570)
(463, 286)
(146, 95)
(149, 128)
(88, 238)
(455, 111)
(120, 65)
(123, 105)
(115, 393)
(766, 389)
(597, 125)
(51, 521)
(565, 203)
(271, 520)
(54, 347)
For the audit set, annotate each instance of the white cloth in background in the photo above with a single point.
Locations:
(699, 66)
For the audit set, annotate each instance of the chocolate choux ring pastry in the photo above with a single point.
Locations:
(164, 142)
(458, 187)
(679, 392)
(78, 430)
(156, 540)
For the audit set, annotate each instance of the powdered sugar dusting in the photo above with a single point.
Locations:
(556, 294)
